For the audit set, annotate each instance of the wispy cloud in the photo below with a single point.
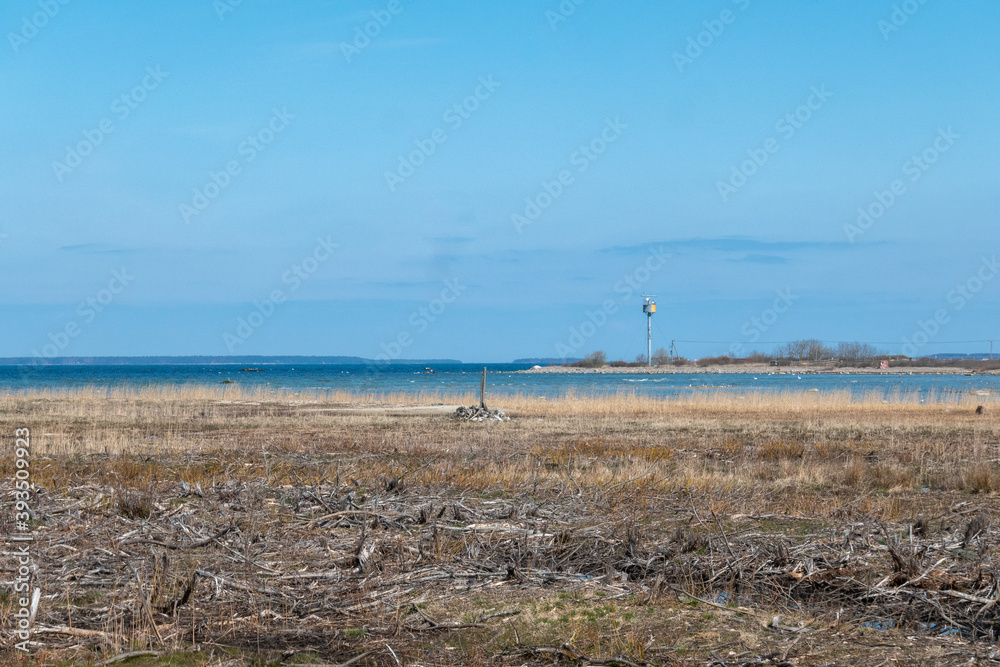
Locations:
(396, 284)
(732, 244)
(104, 248)
(451, 239)
(756, 258)
(88, 247)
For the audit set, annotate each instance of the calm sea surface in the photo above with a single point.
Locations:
(451, 378)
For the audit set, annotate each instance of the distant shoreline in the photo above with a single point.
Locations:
(760, 369)
(250, 360)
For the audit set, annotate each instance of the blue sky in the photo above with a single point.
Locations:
(503, 168)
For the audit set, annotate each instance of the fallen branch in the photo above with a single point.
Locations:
(121, 657)
(192, 545)
(232, 584)
(72, 632)
(354, 660)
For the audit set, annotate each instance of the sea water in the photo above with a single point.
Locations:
(462, 378)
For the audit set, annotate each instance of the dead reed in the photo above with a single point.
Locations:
(616, 529)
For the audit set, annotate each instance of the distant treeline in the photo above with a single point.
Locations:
(811, 350)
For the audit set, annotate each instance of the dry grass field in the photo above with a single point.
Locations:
(196, 527)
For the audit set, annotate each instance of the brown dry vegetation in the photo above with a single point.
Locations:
(278, 528)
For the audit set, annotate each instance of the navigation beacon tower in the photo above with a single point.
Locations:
(649, 307)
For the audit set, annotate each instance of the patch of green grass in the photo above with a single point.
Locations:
(305, 659)
(89, 597)
(171, 659)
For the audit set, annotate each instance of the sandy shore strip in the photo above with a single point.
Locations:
(760, 369)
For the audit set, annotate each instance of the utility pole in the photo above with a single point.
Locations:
(649, 308)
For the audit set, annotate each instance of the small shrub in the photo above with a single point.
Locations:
(782, 449)
(714, 361)
(855, 473)
(134, 503)
(832, 450)
(592, 360)
(889, 476)
(980, 479)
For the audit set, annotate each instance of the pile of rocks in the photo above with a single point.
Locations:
(475, 413)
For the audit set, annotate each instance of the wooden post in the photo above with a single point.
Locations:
(482, 390)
